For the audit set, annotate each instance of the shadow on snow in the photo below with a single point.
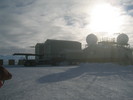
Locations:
(100, 70)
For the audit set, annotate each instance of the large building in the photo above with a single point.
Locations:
(109, 50)
(102, 51)
(57, 49)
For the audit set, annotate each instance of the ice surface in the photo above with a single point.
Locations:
(93, 81)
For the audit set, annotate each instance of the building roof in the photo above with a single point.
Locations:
(53, 40)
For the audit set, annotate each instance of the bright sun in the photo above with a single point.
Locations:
(105, 18)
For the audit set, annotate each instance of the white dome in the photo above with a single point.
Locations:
(91, 39)
(122, 39)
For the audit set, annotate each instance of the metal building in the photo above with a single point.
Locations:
(57, 50)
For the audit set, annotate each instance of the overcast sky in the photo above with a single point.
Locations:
(23, 23)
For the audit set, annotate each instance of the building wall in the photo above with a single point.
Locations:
(108, 53)
(57, 48)
(39, 50)
(74, 55)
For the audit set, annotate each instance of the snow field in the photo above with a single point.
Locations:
(93, 81)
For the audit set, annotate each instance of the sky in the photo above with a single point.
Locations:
(23, 23)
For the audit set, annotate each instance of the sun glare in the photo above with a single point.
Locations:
(105, 18)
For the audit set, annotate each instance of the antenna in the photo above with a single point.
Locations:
(91, 39)
(122, 39)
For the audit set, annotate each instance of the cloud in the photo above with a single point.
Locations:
(23, 23)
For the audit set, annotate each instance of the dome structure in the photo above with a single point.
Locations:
(122, 39)
(91, 39)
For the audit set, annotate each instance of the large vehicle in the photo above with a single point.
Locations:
(27, 61)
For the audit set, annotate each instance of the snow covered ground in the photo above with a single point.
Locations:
(83, 82)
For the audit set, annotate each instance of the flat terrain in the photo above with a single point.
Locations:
(82, 82)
